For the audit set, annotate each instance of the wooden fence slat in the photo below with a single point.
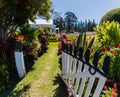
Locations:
(79, 66)
(74, 65)
(99, 87)
(82, 85)
(89, 88)
(63, 62)
(68, 64)
(77, 84)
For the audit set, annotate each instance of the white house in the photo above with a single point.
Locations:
(44, 23)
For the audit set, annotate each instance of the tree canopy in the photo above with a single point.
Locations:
(111, 15)
(70, 20)
(58, 20)
(15, 13)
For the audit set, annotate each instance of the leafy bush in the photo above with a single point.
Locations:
(29, 33)
(108, 34)
(31, 43)
(4, 75)
(53, 38)
(71, 36)
(112, 15)
(114, 53)
(108, 43)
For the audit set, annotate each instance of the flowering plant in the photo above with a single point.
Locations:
(114, 54)
(20, 37)
(110, 92)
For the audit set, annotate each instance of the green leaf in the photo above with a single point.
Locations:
(91, 42)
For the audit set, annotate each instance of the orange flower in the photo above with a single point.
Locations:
(20, 37)
(118, 46)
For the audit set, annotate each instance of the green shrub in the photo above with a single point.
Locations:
(71, 36)
(4, 75)
(108, 43)
(112, 15)
(108, 34)
(114, 54)
(31, 43)
(29, 33)
(54, 38)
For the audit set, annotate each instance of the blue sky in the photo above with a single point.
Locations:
(85, 9)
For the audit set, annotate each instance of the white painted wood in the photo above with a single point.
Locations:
(20, 64)
(79, 66)
(68, 64)
(89, 87)
(77, 84)
(99, 87)
(86, 67)
(63, 62)
(75, 78)
(70, 68)
(78, 78)
(82, 85)
(74, 65)
(82, 74)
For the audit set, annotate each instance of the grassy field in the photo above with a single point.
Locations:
(42, 80)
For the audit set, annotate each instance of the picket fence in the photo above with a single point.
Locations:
(83, 79)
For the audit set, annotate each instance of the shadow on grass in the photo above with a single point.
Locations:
(16, 93)
(61, 90)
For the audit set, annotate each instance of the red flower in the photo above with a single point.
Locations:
(20, 37)
(114, 90)
(113, 95)
(105, 49)
(118, 46)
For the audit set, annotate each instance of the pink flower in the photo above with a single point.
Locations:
(115, 86)
(105, 88)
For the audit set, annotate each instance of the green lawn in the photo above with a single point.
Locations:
(42, 80)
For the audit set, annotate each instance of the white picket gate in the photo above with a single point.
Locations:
(81, 77)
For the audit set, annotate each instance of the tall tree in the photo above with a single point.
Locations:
(70, 21)
(15, 13)
(58, 20)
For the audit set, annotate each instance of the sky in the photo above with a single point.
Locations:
(85, 9)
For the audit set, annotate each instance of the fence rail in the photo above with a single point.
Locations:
(84, 79)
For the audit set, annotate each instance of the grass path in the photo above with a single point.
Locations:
(41, 80)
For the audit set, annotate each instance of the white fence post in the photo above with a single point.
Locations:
(19, 59)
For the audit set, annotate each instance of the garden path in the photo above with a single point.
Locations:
(42, 80)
